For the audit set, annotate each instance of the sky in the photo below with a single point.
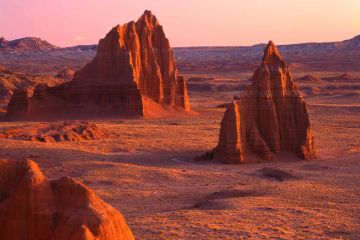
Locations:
(186, 22)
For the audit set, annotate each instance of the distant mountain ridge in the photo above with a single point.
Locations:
(34, 43)
(35, 56)
(313, 56)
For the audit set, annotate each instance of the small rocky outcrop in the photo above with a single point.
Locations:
(56, 132)
(308, 79)
(268, 119)
(4, 70)
(22, 84)
(66, 74)
(33, 207)
(133, 62)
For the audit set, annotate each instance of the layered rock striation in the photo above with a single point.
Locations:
(268, 119)
(34, 207)
(134, 63)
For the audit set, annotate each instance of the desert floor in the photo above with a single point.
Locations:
(146, 169)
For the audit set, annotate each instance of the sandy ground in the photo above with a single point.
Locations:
(146, 169)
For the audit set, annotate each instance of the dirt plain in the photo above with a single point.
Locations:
(146, 169)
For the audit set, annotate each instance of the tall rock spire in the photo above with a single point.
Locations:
(271, 53)
(272, 117)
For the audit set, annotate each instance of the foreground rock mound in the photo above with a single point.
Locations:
(134, 63)
(56, 132)
(35, 208)
(269, 118)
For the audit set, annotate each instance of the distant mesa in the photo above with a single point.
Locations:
(36, 208)
(134, 64)
(25, 44)
(268, 119)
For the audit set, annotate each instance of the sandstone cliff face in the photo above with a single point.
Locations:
(133, 61)
(35, 208)
(269, 118)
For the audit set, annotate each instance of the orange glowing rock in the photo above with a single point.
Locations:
(133, 62)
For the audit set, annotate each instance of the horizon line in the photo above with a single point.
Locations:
(196, 46)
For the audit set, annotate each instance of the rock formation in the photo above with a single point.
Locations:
(269, 118)
(66, 74)
(23, 84)
(133, 62)
(35, 208)
(308, 79)
(25, 44)
(56, 132)
(4, 70)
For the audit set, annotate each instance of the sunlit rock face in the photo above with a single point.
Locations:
(33, 207)
(133, 62)
(268, 119)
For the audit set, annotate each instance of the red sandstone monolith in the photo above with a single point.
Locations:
(268, 119)
(134, 63)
